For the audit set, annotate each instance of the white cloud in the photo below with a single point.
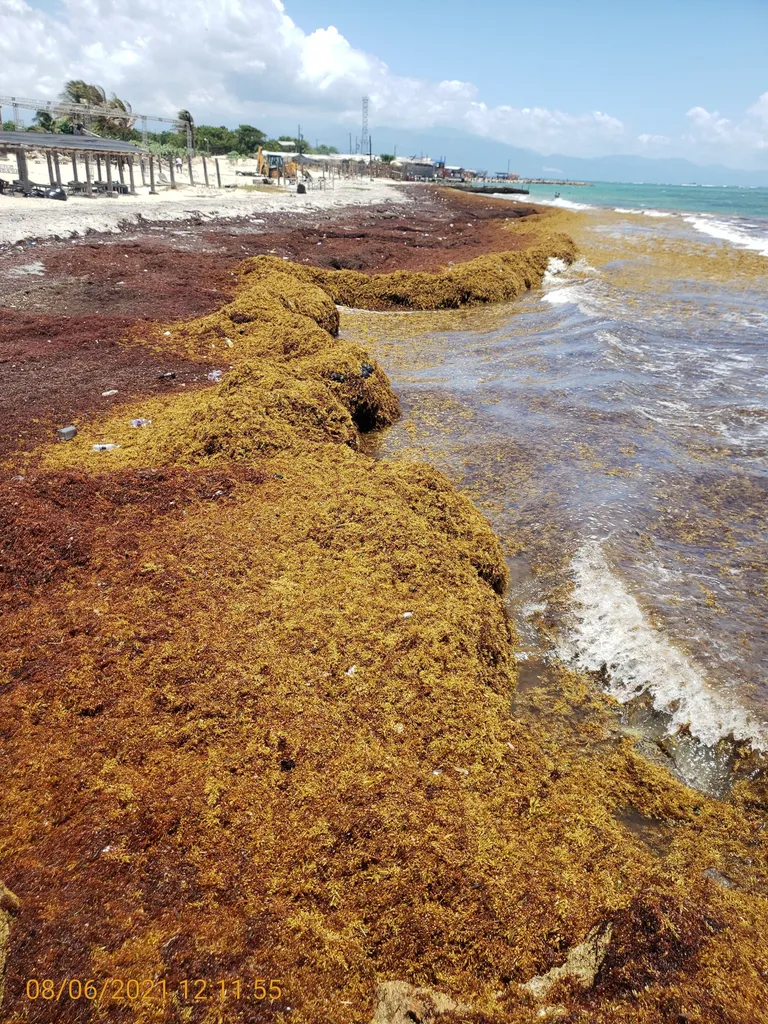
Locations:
(241, 60)
(713, 136)
(228, 60)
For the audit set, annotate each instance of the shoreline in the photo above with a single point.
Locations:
(357, 685)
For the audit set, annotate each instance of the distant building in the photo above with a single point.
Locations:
(452, 172)
(415, 168)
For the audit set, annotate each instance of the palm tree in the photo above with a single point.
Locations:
(187, 121)
(89, 95)
(116, 127)
(78, 91)
(43, 121)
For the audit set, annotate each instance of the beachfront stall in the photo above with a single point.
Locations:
(82, 164)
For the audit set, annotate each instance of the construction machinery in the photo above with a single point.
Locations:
(272, 166)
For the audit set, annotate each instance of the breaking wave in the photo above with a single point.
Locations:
(608, 629)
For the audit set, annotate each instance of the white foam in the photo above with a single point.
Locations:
(555, 268)
(609, 628)
(565, 204)
(642, 213)
(729, 232)
(561, 296)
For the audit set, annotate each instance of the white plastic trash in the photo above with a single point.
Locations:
(105, 447)
(139, 422)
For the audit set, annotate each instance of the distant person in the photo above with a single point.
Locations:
(178, 163)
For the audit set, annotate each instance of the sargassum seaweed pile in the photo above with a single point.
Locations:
(256, 723)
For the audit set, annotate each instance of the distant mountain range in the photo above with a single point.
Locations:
(485, 154)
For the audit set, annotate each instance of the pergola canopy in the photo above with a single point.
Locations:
(67, 143)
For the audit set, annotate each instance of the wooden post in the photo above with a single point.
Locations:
(21, 164)
(173, 176)
(74, 167)
(108, 167)
(141, 168)
(57, 165)
(50, 168)
(218, 172)
(88, 184)
(120, 170)
(189, 168)
(98, 168)
(130, 175)
(152, 191)
(205, 170)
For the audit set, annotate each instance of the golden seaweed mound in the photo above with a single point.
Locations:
(258, 753)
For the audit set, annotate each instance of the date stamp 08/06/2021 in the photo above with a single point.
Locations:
(145, 990)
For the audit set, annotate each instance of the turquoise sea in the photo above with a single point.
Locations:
(736, 215)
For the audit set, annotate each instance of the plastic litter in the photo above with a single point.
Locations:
(407, 615)
(139, 422)
(215, 376)
(66, 433)
(105, 447)
(108, 394)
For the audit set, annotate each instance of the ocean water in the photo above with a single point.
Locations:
(614, 428)
(737, 215)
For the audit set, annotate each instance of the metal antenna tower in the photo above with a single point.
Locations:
(364, 138)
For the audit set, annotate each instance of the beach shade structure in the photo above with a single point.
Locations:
(72, 147)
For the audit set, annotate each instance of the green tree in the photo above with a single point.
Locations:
(78, 91)
(44, 121)
(216, 141)
(387, 158)
(87, 95)
(9, 126)
(248, 139)
(324, 150)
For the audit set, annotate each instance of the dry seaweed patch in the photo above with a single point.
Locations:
(259, 726)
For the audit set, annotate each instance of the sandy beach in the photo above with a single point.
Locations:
(25, 219)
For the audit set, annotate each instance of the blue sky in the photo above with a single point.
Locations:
(646, 62)
(676, 79)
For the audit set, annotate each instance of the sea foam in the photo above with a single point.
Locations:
(729, 232)
(607, 627)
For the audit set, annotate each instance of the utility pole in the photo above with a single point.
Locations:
(350, 142)
(364, 135)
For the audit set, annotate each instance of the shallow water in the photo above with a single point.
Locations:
(614, 428)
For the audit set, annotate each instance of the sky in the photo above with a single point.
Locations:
(679, 78)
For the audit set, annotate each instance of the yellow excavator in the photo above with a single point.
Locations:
(274, 165)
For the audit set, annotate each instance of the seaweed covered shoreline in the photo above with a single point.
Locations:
(258, 691)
